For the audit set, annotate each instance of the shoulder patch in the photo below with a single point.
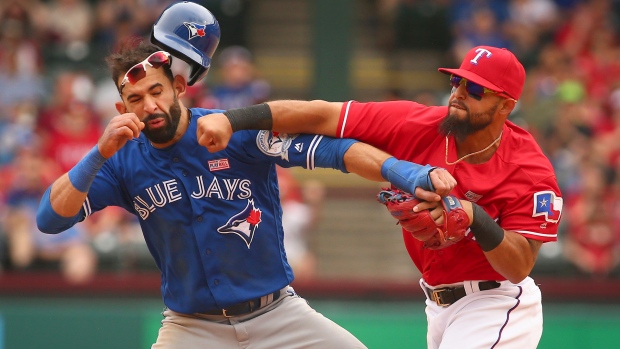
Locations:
(548, 205)
(275, 143)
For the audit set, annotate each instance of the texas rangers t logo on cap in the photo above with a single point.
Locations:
(480, 52)
(195, 29)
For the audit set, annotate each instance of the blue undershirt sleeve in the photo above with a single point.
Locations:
(50, 222)
(330, 153)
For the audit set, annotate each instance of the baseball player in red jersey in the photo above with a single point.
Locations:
(479, 294)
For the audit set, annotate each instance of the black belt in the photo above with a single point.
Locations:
(246, 307)
(448, 295)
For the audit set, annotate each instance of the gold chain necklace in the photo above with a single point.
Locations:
(474, 153)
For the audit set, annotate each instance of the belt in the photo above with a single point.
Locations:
(246, 307)
(446, 296)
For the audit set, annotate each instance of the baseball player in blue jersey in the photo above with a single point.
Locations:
(212, 221)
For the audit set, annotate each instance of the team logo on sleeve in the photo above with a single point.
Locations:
(244, 223)
(548, 205)
(275, 143)
(195, 29)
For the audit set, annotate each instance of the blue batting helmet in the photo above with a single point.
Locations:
(189, 32)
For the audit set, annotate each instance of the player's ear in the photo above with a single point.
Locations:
(120, 107)
(179, 84)
(508, 106)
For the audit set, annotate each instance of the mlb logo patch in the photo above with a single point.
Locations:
(548, 205)
(219, 164)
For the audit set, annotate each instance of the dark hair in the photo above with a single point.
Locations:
(131, 54)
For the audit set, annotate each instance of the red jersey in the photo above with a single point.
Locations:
(516, 187)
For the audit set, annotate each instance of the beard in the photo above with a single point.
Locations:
(166, 133)
(461, 128)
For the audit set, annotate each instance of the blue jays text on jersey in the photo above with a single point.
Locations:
(212, 221)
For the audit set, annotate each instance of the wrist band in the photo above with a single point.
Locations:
(255, 117)
(385, 167)
(84, 172)
(487, 232)
(406, 175)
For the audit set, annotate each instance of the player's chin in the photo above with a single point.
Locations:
(458, 113)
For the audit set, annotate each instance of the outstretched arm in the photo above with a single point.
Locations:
(289, 116)
(376, 165)
(318, 117)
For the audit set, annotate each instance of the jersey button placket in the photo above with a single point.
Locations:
(199, 219)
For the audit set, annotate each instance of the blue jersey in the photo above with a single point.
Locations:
(212, 221)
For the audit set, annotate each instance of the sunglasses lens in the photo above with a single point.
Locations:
(455, 81)
(138, 71)
(158, 58)
(135, 74)
(474, 89)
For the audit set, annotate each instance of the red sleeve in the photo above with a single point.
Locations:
(537, 212)
(390, 125)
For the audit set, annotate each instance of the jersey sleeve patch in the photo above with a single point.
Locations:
(548, 205)
(275, 143)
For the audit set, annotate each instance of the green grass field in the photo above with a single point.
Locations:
(64, 323)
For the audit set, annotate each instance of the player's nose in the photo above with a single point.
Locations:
(150, 105)
(460, 92)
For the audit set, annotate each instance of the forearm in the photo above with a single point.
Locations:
(316, 117)
(365, 161)
(287, 116)
(62, 202)
(59, 213)
(509, 253)
(514, 257)
(65, 199)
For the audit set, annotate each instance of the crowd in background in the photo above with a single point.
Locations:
(56, 97)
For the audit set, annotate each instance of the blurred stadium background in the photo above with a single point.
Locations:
(96, 287)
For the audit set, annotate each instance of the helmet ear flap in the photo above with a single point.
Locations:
(189, 32)
(196, 74)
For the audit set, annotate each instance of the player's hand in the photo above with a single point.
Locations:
(436, 208)
(442, 181)
(120, 129)
(213, 132)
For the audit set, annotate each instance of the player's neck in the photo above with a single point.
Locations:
(478, 148)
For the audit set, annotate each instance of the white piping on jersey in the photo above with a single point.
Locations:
(344, 120)
(311, 150)
(537, 234)
(87, 209)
